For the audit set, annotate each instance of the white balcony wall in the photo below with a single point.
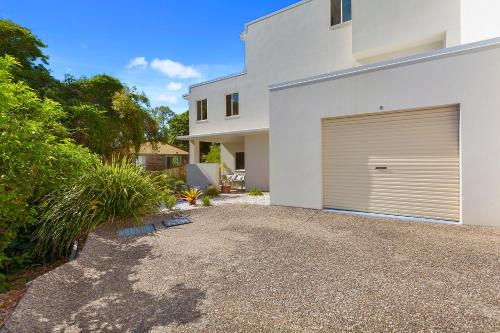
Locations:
(389, 29)
(480, 20)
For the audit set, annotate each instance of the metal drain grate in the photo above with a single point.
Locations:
(173, 222)
(137, 231)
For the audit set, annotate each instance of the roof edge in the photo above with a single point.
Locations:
(414, 59)
(222, 78)
(265, 17)
(247, 131)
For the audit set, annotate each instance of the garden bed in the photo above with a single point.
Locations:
(228, 199)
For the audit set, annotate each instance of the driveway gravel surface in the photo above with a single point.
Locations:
(259, 269)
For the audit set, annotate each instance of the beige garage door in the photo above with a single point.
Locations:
(399, 163)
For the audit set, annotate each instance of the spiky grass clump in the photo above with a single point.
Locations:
(170, 202)
(212, 192)
(255, 192)
(206, 201)
(191, 195)
(109, 192)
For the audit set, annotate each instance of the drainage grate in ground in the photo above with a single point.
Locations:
(173, 222)
(137, 231)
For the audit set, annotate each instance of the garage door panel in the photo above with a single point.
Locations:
(420, 151)
(434, 113)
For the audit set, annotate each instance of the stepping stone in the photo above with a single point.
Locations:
(173, 222)
(137, 231)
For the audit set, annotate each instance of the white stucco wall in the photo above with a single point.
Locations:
(387, 29)
(257, 161)
(228, 155)
(298, 42)
(290, 45)
(203, 175)
(480, 20)
(471, 79)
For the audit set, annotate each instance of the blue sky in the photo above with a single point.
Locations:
(161, 47)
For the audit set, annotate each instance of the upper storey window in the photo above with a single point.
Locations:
(232, 105)
(341, 11)
(201, 110)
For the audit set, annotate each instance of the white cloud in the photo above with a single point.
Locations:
(168, 99)
(139, 62)
(174, 69)
(174, 86)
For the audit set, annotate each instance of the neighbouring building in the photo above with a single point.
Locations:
(386, 106)
(161, 157)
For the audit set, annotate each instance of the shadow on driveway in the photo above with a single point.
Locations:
(100, 295)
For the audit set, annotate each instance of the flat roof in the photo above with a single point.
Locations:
(414, 59)
(222, 78)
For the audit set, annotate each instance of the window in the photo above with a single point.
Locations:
(341, 11)
(201, 110)
(240, 161)
(232, 105)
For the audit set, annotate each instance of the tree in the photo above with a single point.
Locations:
(178, 126)
(26, 48)
(162, 115)
(107, 116)
(36, 158)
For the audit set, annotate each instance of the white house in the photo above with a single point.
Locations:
(385, 106)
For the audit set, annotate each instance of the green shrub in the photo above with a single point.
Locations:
(36, 158)
(169, 182)
(110, 192)
(212, 192)
(255, 192)
(170, 202)
(206, 201)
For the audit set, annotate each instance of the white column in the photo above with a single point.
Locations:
(194, 151)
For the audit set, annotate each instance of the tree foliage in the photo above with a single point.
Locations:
(178, 125)
(26, 48)
(213, 155)
(36, 155)
(53, 132)
(106, 116)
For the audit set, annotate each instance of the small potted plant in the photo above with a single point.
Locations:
(226, 185)
(191, 195)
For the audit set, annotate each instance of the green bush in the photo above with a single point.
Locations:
(206, 201)
(36, 158)
(212, 192)
(110, 192)
(255, 192)
(170, 202)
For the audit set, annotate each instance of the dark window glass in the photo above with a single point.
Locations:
(198, 110)
(336, 8)
(236, 104)
(240, 161)
(204, 110)
(346, 10)
(228, 106)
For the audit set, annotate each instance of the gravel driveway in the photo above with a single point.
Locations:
(257, 268)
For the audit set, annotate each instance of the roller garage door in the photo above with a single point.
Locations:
(400, 163)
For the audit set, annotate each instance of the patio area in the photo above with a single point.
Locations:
(256, 268)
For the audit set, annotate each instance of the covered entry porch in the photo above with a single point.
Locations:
(242, 153)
